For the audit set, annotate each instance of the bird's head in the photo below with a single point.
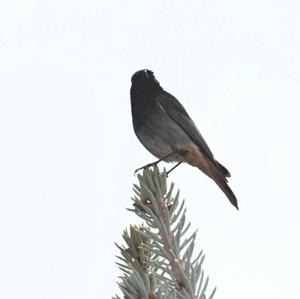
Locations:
(143, 79)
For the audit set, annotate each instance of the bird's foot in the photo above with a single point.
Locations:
(156, 162)
(145, 167)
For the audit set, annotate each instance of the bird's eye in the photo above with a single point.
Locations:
(149, 74)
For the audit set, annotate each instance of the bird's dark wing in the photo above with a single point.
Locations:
(179, 115)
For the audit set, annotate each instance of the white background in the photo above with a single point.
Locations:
(68, 149)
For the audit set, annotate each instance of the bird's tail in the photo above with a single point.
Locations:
(228, 192)
(223, 169)
(219, 177)
(211, 168)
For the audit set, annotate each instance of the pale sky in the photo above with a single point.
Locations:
(68, 150)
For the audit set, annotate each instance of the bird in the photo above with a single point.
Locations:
(166, 130)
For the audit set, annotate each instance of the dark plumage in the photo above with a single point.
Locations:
(164, 127)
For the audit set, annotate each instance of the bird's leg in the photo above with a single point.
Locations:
(156, 162)
(173, 168)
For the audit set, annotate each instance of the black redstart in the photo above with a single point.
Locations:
(165, 129)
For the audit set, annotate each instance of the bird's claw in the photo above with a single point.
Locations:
(144, 167)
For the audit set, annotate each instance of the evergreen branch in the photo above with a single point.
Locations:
(156, 262)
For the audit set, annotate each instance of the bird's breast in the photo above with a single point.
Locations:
(161, 135)
(143, 107)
